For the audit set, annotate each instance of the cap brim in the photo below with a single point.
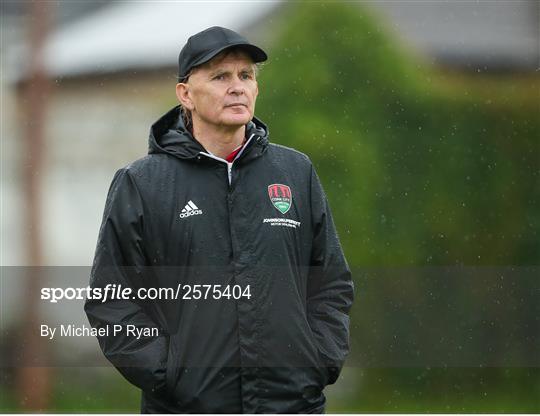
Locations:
(256, 53)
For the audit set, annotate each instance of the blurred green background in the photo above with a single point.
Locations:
(423, 167)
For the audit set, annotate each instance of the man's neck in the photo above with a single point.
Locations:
(219, 142)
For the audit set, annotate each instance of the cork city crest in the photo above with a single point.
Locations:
(280, 196)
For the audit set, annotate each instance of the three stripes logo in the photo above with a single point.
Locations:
(190, 209)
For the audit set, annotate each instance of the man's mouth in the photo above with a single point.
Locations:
(236, 104)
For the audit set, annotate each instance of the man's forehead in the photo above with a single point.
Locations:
(229, 58)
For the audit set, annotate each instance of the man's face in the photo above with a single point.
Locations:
(222, 92)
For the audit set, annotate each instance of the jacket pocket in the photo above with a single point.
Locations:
(312, 394)
(320, 367)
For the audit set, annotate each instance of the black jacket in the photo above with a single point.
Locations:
(179, 216)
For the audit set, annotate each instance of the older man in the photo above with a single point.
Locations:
(256, 320)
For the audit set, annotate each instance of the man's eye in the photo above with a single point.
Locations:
(246, 75)
(219, 77)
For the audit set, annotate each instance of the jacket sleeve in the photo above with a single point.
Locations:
(330, 287)
(120, 260)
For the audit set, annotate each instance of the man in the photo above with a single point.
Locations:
(241, 230)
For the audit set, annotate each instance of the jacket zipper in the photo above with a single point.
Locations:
(229, 210)
(230, 189)
(229, 164)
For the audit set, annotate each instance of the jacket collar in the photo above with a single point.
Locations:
(169, 135)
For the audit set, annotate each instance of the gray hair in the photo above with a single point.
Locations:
(184, 112)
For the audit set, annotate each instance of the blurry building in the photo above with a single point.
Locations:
(486, 36)
(113, 72)
(113, 68)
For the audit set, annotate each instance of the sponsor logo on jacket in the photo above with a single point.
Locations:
(190, 209)
(282, 222)
(281, 197)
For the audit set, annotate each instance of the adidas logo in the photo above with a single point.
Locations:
(190, 209)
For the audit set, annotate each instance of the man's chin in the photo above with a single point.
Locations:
(237, 121)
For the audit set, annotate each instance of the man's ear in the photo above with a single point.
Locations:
(182, 93)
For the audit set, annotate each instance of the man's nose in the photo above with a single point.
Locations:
(236, 87)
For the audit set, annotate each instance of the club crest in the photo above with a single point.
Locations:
(280, 196)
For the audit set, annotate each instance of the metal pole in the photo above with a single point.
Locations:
(34, 378)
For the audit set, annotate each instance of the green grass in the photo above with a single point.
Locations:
(405, 390)
(453, 390)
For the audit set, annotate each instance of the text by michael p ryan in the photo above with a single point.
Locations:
(87, 331)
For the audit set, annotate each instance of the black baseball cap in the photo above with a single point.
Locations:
(203, 46)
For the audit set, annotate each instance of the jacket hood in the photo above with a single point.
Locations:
(170, 135)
